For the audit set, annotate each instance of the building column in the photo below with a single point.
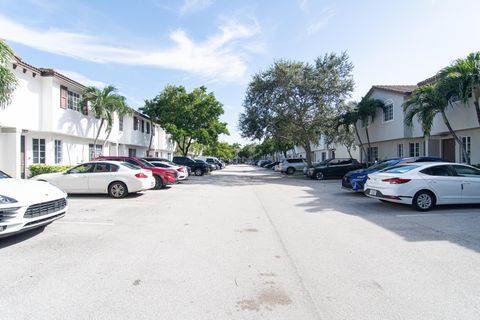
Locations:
(11, 151)
(425, 152)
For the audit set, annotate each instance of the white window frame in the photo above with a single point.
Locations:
(372, 154)
(416, 149)
(58, 151)
(73, 101)
(37, 152)
(389, 105)
(120, 123)
(400, 150)
(467, 144)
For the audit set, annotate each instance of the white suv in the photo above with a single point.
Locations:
(291, 165)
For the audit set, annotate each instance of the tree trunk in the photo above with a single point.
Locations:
(477, 109)
(308, 153)
(457, 139)
(96, 139)
(349, 152)
(106, 139)
(151, 140)
(362, 148)
(188, 147)
(369, 145)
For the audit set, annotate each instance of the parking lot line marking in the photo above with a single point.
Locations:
(87, 223)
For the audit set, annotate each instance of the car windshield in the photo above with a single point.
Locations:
(146, 163)
(130, 166)
(3, 175)
(400, 168)
(384, 164)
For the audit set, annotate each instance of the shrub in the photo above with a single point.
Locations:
(36, 169)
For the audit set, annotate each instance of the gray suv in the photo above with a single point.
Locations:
(291, 165)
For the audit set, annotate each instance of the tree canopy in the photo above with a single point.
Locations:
(291, 100)
(8, 82)
(187, 116)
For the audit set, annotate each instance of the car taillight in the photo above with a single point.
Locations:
(396, 180)
(141, 175)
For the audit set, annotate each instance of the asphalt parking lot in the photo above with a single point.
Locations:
(245, 243)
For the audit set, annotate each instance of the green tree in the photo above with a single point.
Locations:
(221, 150)
(8, 82)
(293, 98)
(247, 151)
(463, 78)
(425, 103)
(347, 121)
(187, 117)
(103, 103)
(367, 110)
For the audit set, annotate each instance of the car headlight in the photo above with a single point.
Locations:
(6, 200)
(361, 177)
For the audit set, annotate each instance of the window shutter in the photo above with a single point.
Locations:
(63, 97)
(85, 108)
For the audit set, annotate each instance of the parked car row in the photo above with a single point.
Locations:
(27, 204)
(422, 182)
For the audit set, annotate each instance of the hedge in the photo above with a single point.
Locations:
(36, 169)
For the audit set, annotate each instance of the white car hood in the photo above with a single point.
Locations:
(28, 191)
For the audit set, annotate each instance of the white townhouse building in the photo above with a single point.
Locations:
(390, 137)
(44, 123)
(323, 150)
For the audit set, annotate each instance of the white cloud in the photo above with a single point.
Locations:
(194, 5)
(82, 78)
(320, 21)
(219, 57)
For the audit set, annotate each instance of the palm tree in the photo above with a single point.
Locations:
(425, 103)
(102, 104)
(463, 76)
(349, 119)
(367, 110)
(8, 82)
(121, 109)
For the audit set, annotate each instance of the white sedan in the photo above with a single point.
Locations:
(27, 204)
(424, 185)
(182, 171)
(118, 179)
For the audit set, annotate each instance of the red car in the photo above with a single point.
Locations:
(163, 176)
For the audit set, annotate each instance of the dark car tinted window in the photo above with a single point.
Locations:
(384, 164)
(437, 171)
(465, 171)
(345, 161)
(3, 175)
(160, 165)
(83, 168)
(146, 163)
(105, 167)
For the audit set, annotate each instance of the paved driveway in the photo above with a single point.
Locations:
(245, 243)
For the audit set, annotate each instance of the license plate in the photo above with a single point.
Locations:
(372, 192)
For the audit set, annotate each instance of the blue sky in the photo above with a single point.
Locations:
(140, 46)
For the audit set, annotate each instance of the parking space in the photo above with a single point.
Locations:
(245, 243)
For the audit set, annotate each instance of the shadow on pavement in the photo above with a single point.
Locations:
(20, 237)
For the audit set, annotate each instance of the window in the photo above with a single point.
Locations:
(400, 150)
(58, 151)
(466, 141)
(135, 123)
(153, 129)
(465, 171)
(73, 101)
(414, 149)
(372, 154)
(93, 155)
(388, 112)
(143, 126)
(148, 127)
(83, 168)
(324, 156)
(120, 123)
(333, 154)
(400, 168)
(38, 150)
(441, 171)
(105, 167)
(132, 152)
(63, 97)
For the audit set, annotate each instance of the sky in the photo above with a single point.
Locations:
(141, 46)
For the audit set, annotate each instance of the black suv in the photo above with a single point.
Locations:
(333, 168)
(198, 168)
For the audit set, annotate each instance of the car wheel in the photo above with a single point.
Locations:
(319, 175)
(158, 182)
(423, 201)
(198, 172)
(290, 170)
(117, 190)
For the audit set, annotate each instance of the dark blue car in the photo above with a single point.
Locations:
(355, 180)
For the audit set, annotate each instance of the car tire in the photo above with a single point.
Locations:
(423, 200)
(290, 170)
(117, 189)
(198, 172)
(319, 175)
(159, 184)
